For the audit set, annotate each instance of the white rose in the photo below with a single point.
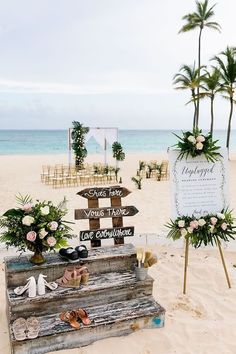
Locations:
(220, 216)
(183, 232)
(201, 222)
(200, 139)
(44, 210)
(190, 230)
(199, 146)
(27, 220)
(181, 223)
(53, 225)
(42, 233)
(192, 139)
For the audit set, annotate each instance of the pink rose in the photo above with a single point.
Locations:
(200, 139)
(199, 146)
(51, 241)
(224, 226)
(193, 224)
(31, 236)
(53, 226)
(27, 207)
(213, 220)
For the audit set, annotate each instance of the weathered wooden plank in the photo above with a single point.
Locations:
(117, 222)
(101, 289)
(115, 319)
(104, 192)
(100, 260)
(106, 212)
(102, 234)
(94, 223)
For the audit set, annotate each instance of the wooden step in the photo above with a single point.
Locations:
(109, 320)
(100, 260)
(107, 287)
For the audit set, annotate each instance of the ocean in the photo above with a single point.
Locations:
(30, 142)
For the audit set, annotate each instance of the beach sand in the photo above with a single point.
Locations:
(203, 321)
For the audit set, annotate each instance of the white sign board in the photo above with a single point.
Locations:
(198, 187)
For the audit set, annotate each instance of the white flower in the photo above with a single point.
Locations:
(213, 220)
(190, 230)
(183, 232)
(201, 222)
(200, 139)
(42, 233)
(181, 223)
(220, 216)
(27, 220)
(224, 226)
(199, 146)
(192, 139)
(53, 225)
(44, 210)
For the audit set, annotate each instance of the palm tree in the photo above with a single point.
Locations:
(200, 19)
(228, 75)
(211, 86)
(188, 79)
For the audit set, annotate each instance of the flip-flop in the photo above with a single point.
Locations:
(83, 316)
(71, 318)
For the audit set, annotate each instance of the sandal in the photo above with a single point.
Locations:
(83, 271)
(19, 328)
(70, 279)
(71, 318)
(83, 316)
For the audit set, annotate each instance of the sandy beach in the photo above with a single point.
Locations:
(203, 321)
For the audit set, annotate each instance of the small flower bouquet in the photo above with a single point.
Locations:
(39, 227)
(207, 230)
(195, 143)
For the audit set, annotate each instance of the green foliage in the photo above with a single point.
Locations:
(142, 165)
(78, 145)
(195, 144)
(204, 230)
(35, 227)
(117, 151)
(138, 181)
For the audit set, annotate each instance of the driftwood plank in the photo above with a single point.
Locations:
(104, 192)
(102, 234)
(115, 319)
(94, 223)
(107, 212)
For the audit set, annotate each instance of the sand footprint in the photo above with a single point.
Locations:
(183, 303)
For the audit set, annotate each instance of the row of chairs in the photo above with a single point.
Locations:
(154, 169)
(59, 175)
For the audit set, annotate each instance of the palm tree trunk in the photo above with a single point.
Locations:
(195, 109)
(212, 114)
(229, 124)
(199, 65)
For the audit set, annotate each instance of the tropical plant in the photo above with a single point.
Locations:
(227, 67)
(78, 145)
(137, 181)
(211, 86)
(194, 143)
(37, 227)
(198, 20)
(117, 151)
(142, 165)
(208, 229)
(188, 79)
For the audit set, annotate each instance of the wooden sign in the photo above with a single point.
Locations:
(199, 187)
(107, 212)
(102, 234)
(116, 211)
(106, 192)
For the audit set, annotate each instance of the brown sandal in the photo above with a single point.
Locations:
(70, 279)
(71, 318)
(83, 316)
(83, 271)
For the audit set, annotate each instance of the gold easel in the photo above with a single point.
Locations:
(186, 262)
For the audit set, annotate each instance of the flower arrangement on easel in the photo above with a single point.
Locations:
(194, 143)
(208, 230)
(38, 227)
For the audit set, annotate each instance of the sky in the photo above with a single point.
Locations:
(104, 63)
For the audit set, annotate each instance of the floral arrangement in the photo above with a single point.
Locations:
(195, 143)
(207, 230)
(39, 227)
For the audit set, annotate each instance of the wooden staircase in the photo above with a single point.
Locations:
(116, 302)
